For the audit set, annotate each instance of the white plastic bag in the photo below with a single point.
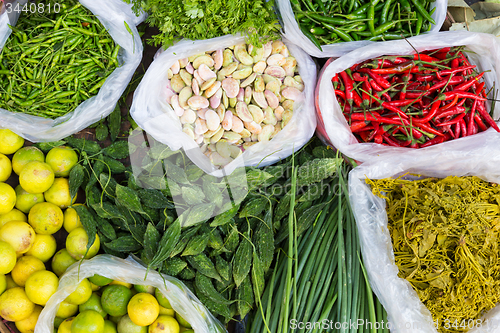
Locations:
(113, 14)
(128, 270)
(154, 115)
(485, 53)
(406, 312)
(293, 33)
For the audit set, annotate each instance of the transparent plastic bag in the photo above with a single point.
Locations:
(406, 312)
(293, 33)
(128, 270)
(114, 15)
(332, 126)
(154, 115)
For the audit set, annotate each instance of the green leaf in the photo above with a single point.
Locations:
(88, 222)
(128, 198)
(151, 239)
(76, 177)
(166, 245)
(124, 244)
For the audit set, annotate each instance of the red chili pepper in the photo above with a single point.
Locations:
(380, 80)
(454, 63)
(411, 94)
(453, 121)
(427, 128)
(390, 141)
(335, 81)
(456, 70)
(447, 82)
(367, 100)
(471, 116)
(466, 85)
(431, 113)
(447, 106)
(348, 87)
(424, 57)
(480, 123)
(394, 109)
(340, 93)
(424, 78)
(356, 126)
(400, 68)
(431, 142)
(463, 94)
(378, 138)
(373, 116)
(416, 134)
(450, 112)
(401, 102)
(486, 116)
(358, 77)
(367, 128)
(357, 99)
(463, 128)
(364, 136)
(457, 129)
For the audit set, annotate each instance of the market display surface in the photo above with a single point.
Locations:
(109, 229)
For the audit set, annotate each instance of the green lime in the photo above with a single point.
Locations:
(88, 321)
(125, 325)
(182, 321)
(114, 299)
(162, 299)
(100, 280)
(144, 289)
(109, 327)
(93, 303)
(58, 321)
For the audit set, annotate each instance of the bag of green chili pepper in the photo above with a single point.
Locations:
(64, 64)
(325, 28)
(427, 224)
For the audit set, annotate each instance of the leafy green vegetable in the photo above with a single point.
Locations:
(204, 19)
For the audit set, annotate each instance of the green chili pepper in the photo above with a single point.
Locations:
(311, 38)
(371, 17)
(421, 9)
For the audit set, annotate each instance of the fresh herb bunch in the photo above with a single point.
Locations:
(204, 19)
(225, 260)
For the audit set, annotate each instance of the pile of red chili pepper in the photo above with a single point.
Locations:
(414, 101)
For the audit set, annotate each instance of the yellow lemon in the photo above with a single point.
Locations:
(66, 310)
(121, 283)
(7, 257)
(58, 193)
(46, 218)
(62, 159)
(71, 220)
(18, 234)
(43, 248)
(126, 325)
(61, 261)
(28, 325)
(5, 168)
(81, 294)
(15, 305)
(10, 282)
(3, 283)
(10, 142)
(13, 215)
(164, 324)
(24, 268)
(143, 309)
(95, 287)
(7, 198)
(25, 200)
(65, 326)
(40, 286)
(25, 155)
(36, 177)
(76, 244)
